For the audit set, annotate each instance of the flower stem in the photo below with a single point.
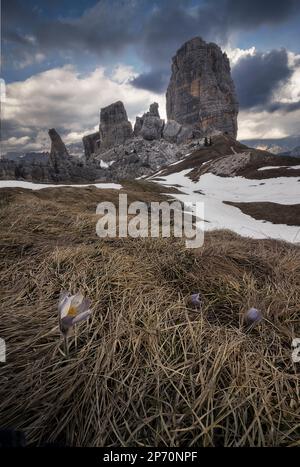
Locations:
(66, 345)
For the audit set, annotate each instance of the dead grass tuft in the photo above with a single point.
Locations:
(147, 370)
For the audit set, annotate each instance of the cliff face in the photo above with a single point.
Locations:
(91, 144)
(201, 91)
(114, 126)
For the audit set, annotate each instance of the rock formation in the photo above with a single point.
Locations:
(57, 166)
(139, 157)
(176, 133)
(201, 92)
(150, 125)
(201, 102)
(58, 152)
(138, 126)
(114, 126)
(91, 144)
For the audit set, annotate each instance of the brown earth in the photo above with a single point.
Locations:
(271, 212)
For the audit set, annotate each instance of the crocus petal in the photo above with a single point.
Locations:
(64, 306)
(66, 324)
(76, 300)
(63, 294)
(82, 316)
(84, 305)
(196, 299)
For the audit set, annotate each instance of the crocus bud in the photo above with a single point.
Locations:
(252, 317)
(195, 300)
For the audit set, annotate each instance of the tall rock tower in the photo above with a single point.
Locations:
(114, 125)
(201, 91)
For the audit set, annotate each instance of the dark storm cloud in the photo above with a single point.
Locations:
(155, 81)
(284, 107)
(258, 76)
(107, 27)
(172, 23)
(155, 29)
(247, 13)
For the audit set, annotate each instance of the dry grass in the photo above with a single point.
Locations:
(147, 370)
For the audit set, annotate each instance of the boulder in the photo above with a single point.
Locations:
(152, 128)
(150, 125)
(171, 131)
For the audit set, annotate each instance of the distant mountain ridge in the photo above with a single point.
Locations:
(289, 145)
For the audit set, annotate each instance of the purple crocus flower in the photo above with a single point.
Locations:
(253, 316)
(196, 300)
(72, 309)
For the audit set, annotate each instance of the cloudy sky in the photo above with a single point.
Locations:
(62, 60)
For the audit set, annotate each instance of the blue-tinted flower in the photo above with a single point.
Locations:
(196, 300)
(253, 316)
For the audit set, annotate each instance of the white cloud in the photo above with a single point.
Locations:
(235, 54)
(260, 125)
(123, 74)
(290, 92)
(62, 98)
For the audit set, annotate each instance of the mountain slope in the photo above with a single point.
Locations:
(245, 190)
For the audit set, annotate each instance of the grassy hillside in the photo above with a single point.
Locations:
(147, 369)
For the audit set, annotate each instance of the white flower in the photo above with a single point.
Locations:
(71, 310)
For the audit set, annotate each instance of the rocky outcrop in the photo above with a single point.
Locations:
(139, 157)
(171, 131)
(201, 92)
(58, 153)
(57, 166)
(91, 144)
(153, 110)
(152, 128)
(176, 133)
(115, 127)
(138, 126)
(150, 125)
(201, 101)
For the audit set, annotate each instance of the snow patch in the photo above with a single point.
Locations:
(40, 186)
(214, 190)
(271, 167)
(105, 165)
(295, 167)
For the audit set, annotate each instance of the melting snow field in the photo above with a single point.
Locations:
(215, 190)
(40, 186)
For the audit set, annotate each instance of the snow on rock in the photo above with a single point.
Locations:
(295, 167)
(271, 167)
(105, 165)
